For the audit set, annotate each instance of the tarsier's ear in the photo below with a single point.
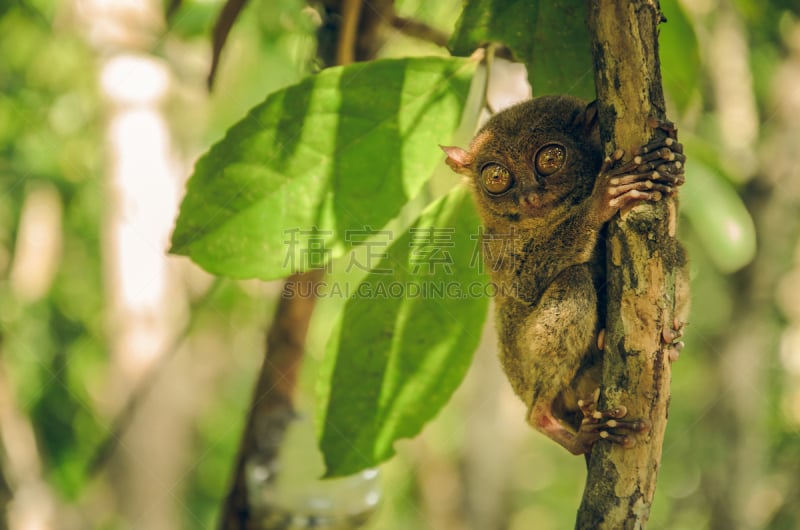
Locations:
(591, 121)
(458, 159)
(589, 117)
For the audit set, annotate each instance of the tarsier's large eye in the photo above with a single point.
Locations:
(550, 158)
(496, 179)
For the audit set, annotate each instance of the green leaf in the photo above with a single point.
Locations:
(344, 149)
(680, 55)
(550, 37)
(719, 217)
(396, 356)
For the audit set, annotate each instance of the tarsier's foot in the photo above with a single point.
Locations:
(670, 335)
(607, 425)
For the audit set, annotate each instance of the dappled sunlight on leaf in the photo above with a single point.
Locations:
(401, 348)
(344, 149)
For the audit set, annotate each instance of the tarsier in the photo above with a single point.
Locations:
(544, 193)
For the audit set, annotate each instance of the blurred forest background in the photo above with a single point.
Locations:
(103, 110)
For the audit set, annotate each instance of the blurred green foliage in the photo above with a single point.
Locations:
(50, 127)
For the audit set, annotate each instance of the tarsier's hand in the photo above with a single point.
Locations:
(655, 171)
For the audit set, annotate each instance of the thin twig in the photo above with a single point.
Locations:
(420, 30)
(346, 47)
(227, 17)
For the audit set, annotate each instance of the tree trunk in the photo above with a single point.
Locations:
(641, 268)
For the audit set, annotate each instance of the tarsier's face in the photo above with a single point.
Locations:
(532, 157)
(531, 182)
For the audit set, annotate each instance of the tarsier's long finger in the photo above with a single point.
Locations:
(658, 143)
(664, 175)
(667, 174)
(659, 166)
(652, 146)
(660, 155)
(633, 196)
(650, 161)
(665, 160)
(671, 169)
(641, 185)
(649, 156)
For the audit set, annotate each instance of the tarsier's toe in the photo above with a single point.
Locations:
(674, 351)
(607, 425)
(621, 439)
(670, 336)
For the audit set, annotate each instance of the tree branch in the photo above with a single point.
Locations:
(642, 261)
(272, 407)
(420, 30)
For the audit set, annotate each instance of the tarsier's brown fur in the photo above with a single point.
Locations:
(543, 249)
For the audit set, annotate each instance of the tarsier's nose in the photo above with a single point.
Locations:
(531, 200)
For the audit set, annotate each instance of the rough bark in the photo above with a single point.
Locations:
(641, 268)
